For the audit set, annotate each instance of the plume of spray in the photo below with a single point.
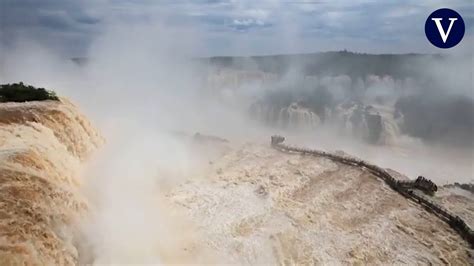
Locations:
(142, 90)
(436, 110)
(137, 86)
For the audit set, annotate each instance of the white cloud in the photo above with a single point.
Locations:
(248, 22)
(299, 23)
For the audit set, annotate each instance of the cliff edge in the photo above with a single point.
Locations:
(42, 147)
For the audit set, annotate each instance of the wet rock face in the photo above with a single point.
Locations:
(371, 124)
(298, 117)
(364, 122)
(375, 127)
(447, 119)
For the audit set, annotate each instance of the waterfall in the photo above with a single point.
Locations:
(42, 147)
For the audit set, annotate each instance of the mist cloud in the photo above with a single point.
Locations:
(142, 81)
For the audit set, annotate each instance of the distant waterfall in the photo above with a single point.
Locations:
(298, 117)
(295, 116)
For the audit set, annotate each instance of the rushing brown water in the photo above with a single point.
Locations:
(260, 206)
(237, 203)
(42, 147)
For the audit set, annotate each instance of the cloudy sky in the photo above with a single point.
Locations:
(232, 27)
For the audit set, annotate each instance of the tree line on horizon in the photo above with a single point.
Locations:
(335, 63)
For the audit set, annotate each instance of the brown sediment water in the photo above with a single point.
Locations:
(250, 204)
(42, 147)
(258, 205)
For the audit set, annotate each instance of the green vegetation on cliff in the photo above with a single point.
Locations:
(19, 92)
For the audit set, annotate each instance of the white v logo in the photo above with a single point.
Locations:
(444, 35)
